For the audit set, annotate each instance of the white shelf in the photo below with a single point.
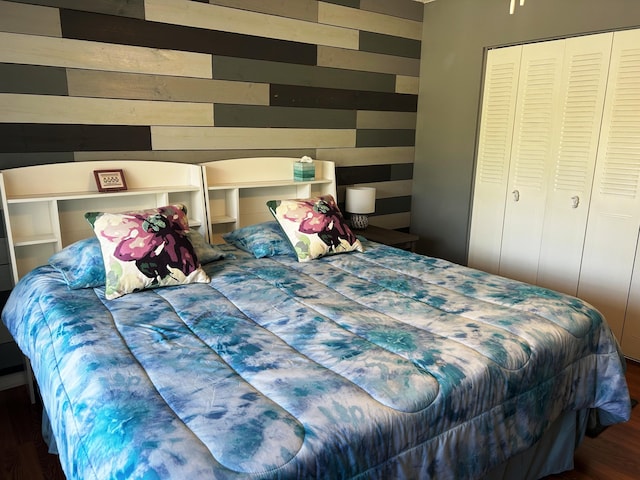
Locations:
(34, 240)
(269, 184)
(45, 204)
(222, 219)
(238, 189)
(91, 194)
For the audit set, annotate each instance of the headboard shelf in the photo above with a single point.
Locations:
(221, 219)
(237, 190)
(34, 240)
(269, 184)
(45, 204)
(89, 194)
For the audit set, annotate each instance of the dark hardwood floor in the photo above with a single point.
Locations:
(23, 453)
(613, 455)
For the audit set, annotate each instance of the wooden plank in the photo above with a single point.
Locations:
(199, 138)
(76, 110)
(383, 120)
(24, 138)
(130, 31)
(297, 96)
(392, 221)
(346, 3)
(214, 17)
(257, 116)
(391, 205)
(88, 83)
(193, 156)
(242, 69)
(389, 45)
(368, 21)
(363, 174)
(385, 138)
(409, 9)
(366, 61)
(63, 52)
(300, 9)
(16, 78)
(25, 159)
(31, 19)
(393, 188)
(126, 8)
(402, 171)
(405, 84)
(384, 190)
(345, 157)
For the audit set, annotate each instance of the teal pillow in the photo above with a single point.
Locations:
(261, 240)
(80, 264)
(205, 252)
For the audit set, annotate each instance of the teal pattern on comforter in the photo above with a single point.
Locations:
(366, 365)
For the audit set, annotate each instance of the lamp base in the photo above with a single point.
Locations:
(359, 221)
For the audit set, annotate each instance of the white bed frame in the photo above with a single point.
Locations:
(45, 204)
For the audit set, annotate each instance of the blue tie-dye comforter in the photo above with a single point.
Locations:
(371, 365)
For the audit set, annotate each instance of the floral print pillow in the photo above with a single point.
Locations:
(315, 227)
(146, 249)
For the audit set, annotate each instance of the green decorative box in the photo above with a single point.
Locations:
(303, 172)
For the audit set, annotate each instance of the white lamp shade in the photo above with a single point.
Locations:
(360, 200)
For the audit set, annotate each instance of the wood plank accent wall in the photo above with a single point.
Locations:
(197, 80)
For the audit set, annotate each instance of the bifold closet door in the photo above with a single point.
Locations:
(538, 141)
(494, 155)
(574, 148)
(614, 215)
(537, 117)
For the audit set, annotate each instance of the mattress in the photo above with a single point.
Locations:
(381, 364)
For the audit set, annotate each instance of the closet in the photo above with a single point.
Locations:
(556, 195)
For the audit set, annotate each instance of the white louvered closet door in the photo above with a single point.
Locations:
(536, 120)
(494, 155)
(574, 146)
(614, 216)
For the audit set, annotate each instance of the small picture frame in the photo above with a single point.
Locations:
(110, 180)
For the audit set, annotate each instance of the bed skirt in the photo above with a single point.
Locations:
(552, 454)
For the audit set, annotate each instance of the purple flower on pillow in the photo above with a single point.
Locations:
(323, 217)
(156, 243)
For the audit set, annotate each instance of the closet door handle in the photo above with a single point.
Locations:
(516, 195)
(575, 201)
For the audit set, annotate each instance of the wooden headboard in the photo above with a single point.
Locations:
(237, 190)
(44, 205)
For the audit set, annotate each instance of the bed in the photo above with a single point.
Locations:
(364, 361)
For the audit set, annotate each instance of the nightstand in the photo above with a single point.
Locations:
(393, 238)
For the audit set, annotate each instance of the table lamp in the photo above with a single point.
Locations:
(360, 202)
